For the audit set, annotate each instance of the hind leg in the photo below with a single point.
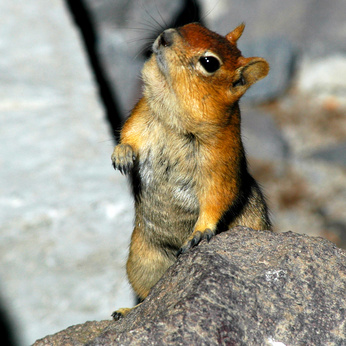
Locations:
(145, 266)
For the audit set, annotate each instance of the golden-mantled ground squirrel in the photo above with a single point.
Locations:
(182, 150)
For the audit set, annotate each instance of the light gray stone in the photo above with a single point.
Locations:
(282, 58)
(334, 154)
(262, 139)
(314, 26)
(324, 79)
(65, 215)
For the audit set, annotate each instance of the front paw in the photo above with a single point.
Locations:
(123, 158)
(195, 239)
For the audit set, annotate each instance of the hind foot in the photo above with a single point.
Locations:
(121, 313)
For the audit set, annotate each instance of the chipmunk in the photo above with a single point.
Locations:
(182, 150)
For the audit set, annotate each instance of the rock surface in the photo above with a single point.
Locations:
(335, 154)
(75, 335)
(245, 287)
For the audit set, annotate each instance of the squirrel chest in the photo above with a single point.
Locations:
(165, 181)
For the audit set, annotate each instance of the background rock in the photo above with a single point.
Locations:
(262, 138)
(324, 78)
(274, 288)
(62, 252)
(315, 27)
(336, 154)
(282, 58)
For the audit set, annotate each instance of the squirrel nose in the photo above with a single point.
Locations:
(166, 38)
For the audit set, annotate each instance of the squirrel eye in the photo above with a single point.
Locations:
(210, 63)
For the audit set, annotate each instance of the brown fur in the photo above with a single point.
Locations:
(182, 149)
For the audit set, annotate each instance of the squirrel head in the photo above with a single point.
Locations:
(198, 73)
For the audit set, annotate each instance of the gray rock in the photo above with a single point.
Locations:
(314, 26)
(77, 335)
(262, 139)
(65, 215)
(335, 155)
(245, 287)
(282, 57)
(324, 79)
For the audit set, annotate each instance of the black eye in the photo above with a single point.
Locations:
(210, 63)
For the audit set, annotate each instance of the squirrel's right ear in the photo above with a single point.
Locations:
(234, 35)
(251, 70)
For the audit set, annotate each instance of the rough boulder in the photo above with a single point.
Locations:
(245, 287)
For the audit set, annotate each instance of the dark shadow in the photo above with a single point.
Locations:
(7, 334)
(138, 300)
(246, 191)
(84, 22)
(191, 12)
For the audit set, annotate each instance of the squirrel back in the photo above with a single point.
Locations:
(182, 149)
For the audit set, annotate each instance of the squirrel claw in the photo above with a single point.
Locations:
(117, 316)
(121, 313)
(123, 158)
(195, 239)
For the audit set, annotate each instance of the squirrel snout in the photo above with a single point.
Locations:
(165, 39)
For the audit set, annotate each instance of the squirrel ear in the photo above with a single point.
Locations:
(234, 35)
(252, 69)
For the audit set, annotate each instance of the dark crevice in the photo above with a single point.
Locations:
(84, 22)
(191, 12)
(7, 328)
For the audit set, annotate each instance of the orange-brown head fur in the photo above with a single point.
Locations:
(176, 81)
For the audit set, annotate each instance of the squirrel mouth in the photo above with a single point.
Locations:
(162, 42)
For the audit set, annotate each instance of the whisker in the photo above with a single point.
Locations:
(107, 141)
(149, 25)
(142, 50)
(152, 18)
(139, 39)
(158, 11)
(139, 29)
